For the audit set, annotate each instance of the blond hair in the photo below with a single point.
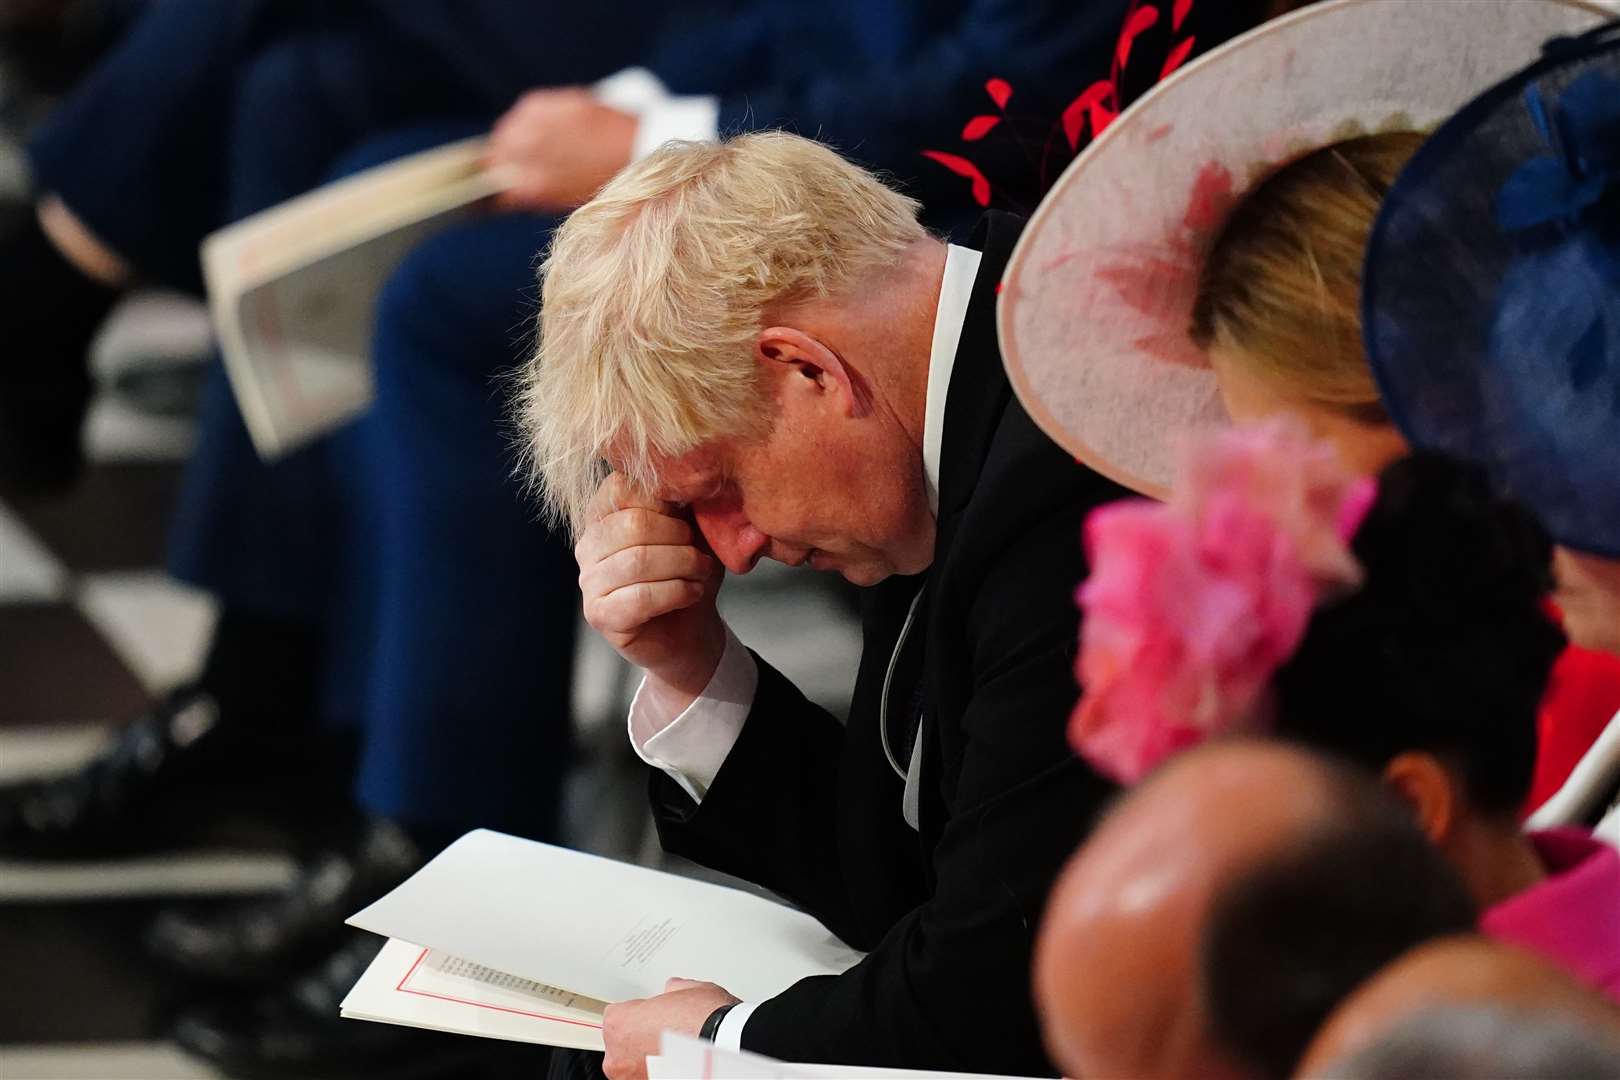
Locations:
(1281, 288)
(653, 294)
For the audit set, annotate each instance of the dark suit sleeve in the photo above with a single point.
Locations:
(948, 986)
(885, 116)
(769, 815)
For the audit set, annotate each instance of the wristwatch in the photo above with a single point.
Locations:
(711, 1026)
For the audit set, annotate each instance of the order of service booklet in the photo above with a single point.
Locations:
(291, 289)
(515, 939)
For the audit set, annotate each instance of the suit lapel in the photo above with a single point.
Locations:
(979, 389)
(975, 401)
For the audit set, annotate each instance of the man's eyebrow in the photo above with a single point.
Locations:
(700, 487)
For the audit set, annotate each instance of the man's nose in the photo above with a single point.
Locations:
(731, 536)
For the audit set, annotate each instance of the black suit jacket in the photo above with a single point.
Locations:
(812, 810)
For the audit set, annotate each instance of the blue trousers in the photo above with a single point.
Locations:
(446, 612)
(209, 110)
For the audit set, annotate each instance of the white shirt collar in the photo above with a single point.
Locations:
(955, 290)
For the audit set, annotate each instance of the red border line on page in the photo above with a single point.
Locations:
(403, 989)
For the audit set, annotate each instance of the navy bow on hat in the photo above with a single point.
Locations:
(1562, 210)
(1582, 175)
(1491, 291)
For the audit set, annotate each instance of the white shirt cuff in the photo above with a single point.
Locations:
(692, 746)
(696, 118)
(728, 1036)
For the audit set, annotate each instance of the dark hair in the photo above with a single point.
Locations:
(1446, 648)
(1288, 941)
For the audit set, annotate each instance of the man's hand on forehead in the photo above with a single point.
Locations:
(648, 581)
(617, 493)
(623, 516)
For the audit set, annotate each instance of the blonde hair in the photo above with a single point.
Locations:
(1281, 288)
(653, 294)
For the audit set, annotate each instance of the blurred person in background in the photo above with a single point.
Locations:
(1428, 674)
(1278, 312)
(391, 663)
(1231, 290)
(1482, 1042)
(1465, 1006)
(1284, 958)
(1509, 355)
(390, 579)
(1148, 963)
(1397, 625)
(48, 45)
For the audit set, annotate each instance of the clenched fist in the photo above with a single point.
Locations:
(649, 586)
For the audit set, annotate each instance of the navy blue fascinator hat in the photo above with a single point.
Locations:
(1491, 294)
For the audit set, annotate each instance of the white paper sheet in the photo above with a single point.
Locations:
(605, 929)
(682, 1057)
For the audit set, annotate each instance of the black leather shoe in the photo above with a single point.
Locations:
(170, 778)
(264, 940)
(298, 1032)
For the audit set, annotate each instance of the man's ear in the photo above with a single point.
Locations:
(813, 361)
(1426, 785)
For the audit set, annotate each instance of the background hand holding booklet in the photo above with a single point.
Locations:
(291, 289)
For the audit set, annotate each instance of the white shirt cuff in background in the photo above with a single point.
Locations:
(696, 117)
(692, 746)
(728, 1036)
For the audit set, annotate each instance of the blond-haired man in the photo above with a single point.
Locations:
(750, 350)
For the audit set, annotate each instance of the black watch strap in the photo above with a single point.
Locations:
(711, 1026)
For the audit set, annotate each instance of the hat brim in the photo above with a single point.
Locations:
(1096, 303)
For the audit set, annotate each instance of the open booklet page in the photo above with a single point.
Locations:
(682, 1057)
(597, 928)
(411, 985)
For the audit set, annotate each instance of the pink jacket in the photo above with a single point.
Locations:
(1573, 916)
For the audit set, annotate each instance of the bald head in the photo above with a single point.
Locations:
(1461, 971)
(1226, 906)
(1116, 967)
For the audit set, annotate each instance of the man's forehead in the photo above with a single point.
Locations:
(675, 477)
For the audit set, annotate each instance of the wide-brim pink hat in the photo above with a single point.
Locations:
(1096, 304)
